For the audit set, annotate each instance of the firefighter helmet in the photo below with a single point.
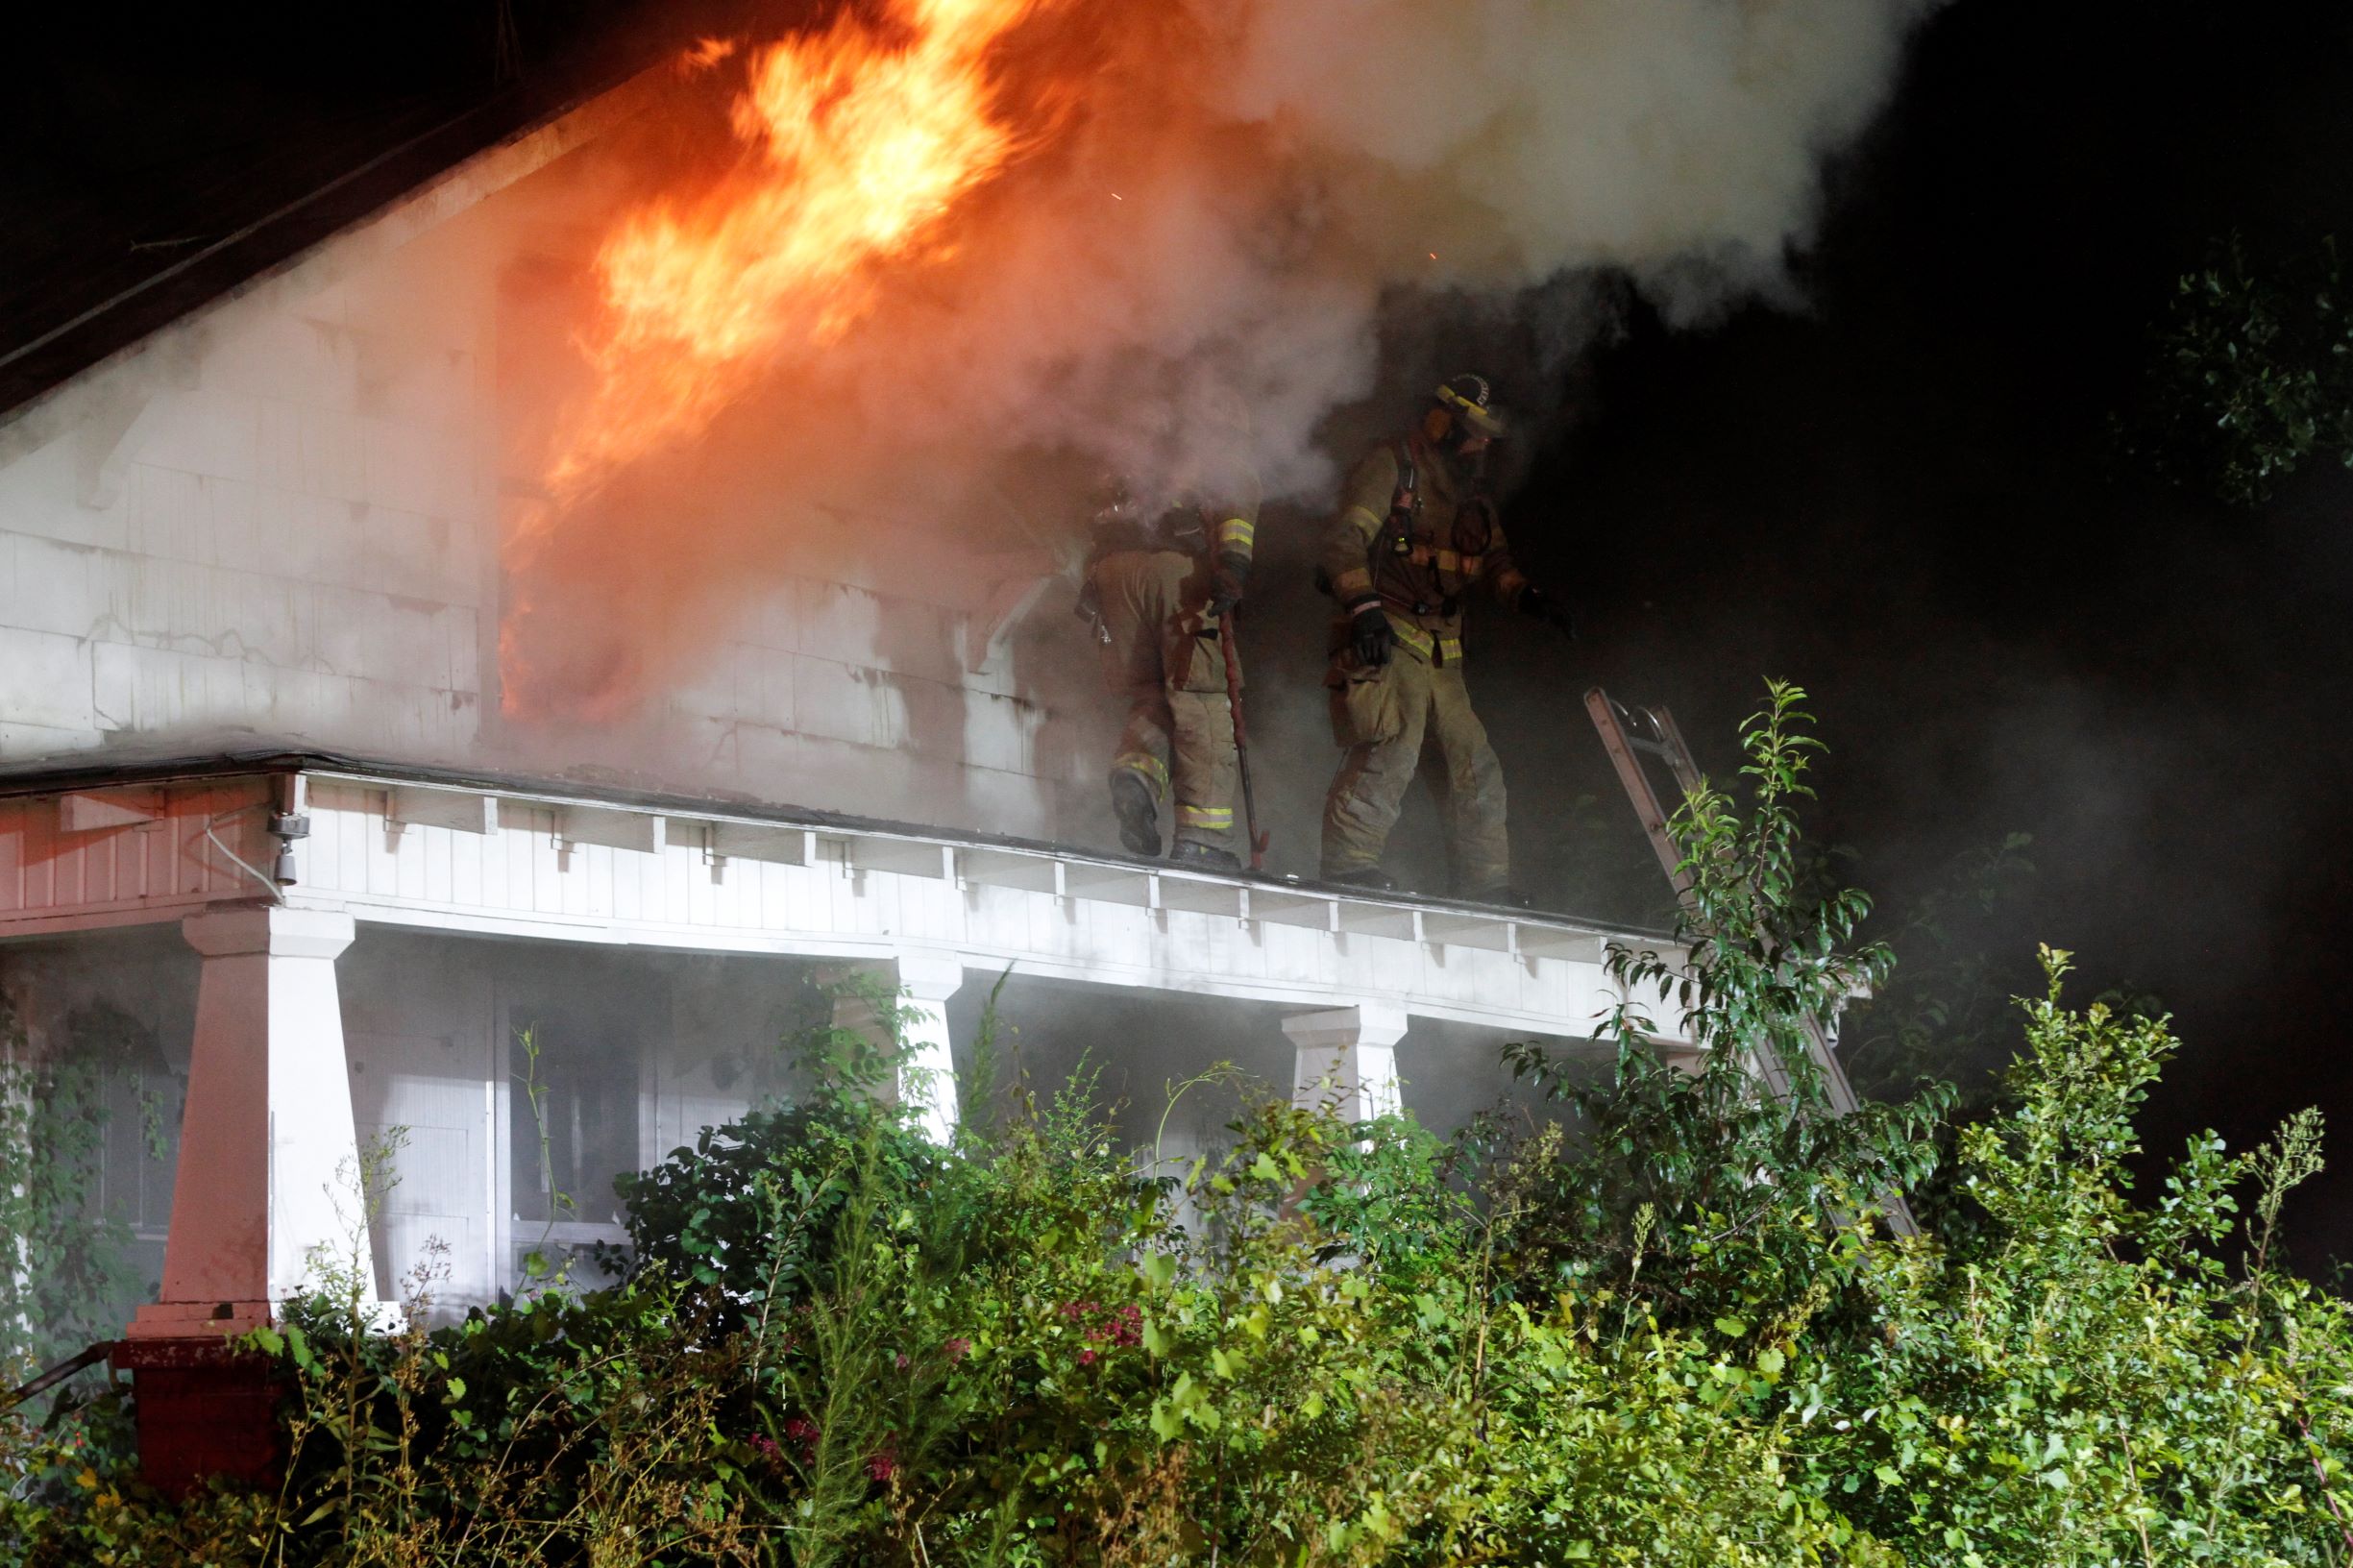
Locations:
(1471, 402)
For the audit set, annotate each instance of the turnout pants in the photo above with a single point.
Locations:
(1394, 719)
(1164, 655)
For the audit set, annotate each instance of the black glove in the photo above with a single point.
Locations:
(1226, 581)
(1370, 636)
(1553, 612)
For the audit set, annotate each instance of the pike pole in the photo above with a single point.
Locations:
(1229, 644)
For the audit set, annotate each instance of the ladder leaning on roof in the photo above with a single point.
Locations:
(1627, 732)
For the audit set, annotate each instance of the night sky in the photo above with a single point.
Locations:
(1902, 495)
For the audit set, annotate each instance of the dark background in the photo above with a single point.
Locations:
(1907, 502)
(1903, 496)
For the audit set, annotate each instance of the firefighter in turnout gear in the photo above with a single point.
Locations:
(1159, 578)
(1416, 533)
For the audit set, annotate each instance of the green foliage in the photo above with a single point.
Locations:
(2089, 1381)
(65, 1273)
(1945, 1012)
(2252, 373)
(741, 1213)
(1665, 1329)
(1691, 1186)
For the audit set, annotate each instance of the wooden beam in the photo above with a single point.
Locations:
(1102, 884)
(908, 857)
(1010, 868)
(780, 843)
(1308, 910)
(1201, 895)
(1454, 930)
(1377, 921)
(1553, 941)
(609, 826)
(462, 811)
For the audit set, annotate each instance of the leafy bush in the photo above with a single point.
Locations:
(1664, 1329)
(2250, 372)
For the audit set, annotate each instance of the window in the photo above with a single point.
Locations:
(573, 1116)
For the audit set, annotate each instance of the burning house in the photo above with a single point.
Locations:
(469, 668)
(295, 805)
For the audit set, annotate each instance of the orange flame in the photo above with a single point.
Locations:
(865, 136)
(705, 54)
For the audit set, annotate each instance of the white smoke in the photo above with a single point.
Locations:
(1241, 202)
(1259, 181)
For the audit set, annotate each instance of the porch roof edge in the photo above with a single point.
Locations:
(70, 774)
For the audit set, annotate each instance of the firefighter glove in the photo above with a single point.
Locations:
(1370, 636)
(1226, 581)
(1553, 612)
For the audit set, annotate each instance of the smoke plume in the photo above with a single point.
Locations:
(1167, 230)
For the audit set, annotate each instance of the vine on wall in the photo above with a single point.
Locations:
(66, 1269)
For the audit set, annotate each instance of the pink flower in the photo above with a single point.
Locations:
(883, 1463)
(1085, 1357)
(1123, 1329)
(958, 1348)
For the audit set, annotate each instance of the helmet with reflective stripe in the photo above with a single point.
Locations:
(1472, 403)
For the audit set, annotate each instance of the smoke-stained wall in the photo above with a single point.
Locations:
(283, 536)
(292, 534)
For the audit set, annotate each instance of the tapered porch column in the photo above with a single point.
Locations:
(927, 1066)
(269, 1162)
(1347, 1059)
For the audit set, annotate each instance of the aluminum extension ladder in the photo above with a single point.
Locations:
(1630, 733)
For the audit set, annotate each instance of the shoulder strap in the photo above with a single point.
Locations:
(1403, 499)
(1398, 526)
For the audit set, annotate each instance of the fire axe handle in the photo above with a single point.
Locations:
(1229, 644)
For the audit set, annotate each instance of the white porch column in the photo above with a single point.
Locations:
(268, 1155)
(927, 1067)
(1347, 1059)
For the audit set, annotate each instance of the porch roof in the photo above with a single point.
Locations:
(132, 838)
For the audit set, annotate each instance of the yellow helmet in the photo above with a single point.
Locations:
(1471, 401)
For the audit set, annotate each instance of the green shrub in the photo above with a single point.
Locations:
(1664, 1329)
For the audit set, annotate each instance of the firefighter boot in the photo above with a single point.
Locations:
(1206, 857)
(1131, 798)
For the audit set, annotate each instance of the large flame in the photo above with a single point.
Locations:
(865, 138)
(862, 138)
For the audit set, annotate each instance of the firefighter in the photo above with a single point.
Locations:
(1159, 581)
(1416, 531)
